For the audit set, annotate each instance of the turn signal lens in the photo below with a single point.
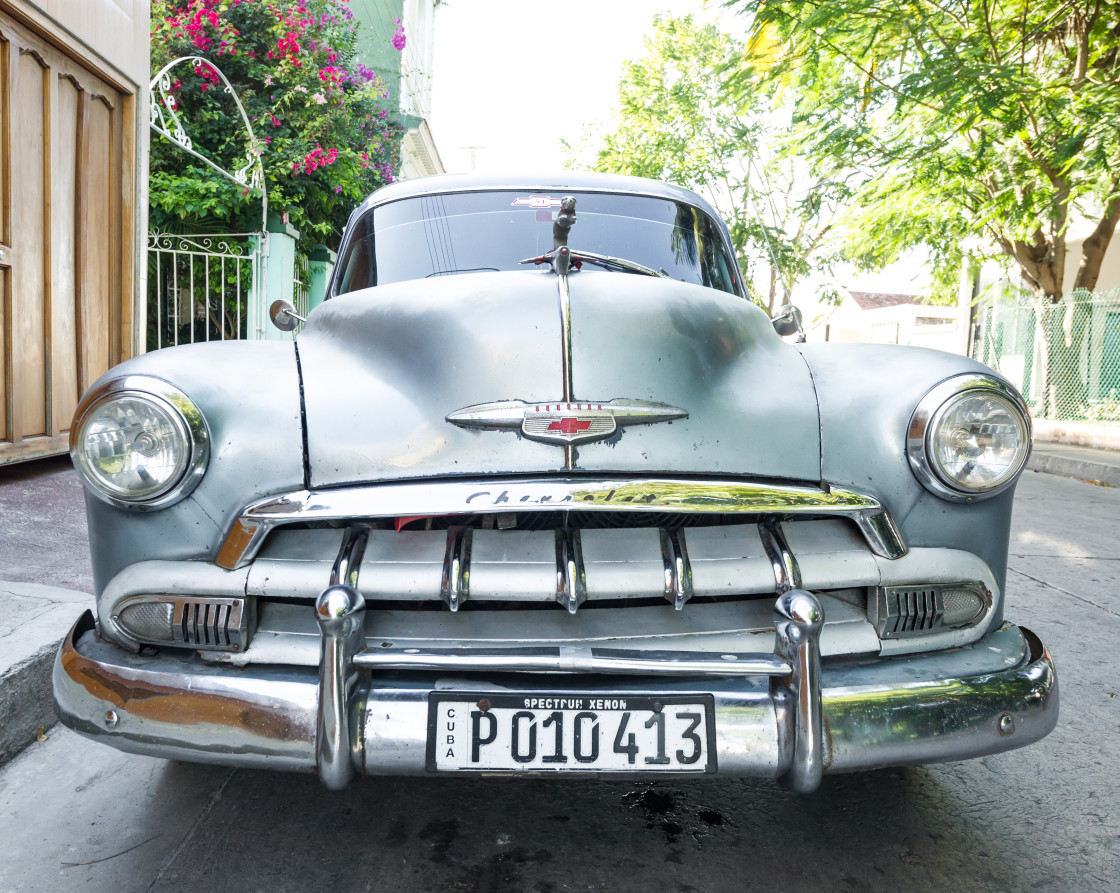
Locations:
(148, 621)
(960, 607)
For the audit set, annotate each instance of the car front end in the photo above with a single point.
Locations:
(585, 514)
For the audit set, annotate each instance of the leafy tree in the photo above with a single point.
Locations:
(677, 122)
(989, 126)
(323, 135)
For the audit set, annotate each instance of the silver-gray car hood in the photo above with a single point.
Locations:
(382, 368)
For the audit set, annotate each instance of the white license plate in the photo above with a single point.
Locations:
(545, 732)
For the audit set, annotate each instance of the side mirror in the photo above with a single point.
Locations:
(284, 316)
(788, 322)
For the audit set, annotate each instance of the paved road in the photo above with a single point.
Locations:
(44, 534)
(77, 815)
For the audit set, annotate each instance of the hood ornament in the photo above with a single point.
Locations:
(565, 423)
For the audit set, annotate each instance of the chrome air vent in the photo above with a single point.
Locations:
(913, 610)
(208, 623)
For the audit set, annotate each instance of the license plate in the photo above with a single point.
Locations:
(544, 732)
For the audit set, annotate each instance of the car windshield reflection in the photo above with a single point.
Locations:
(441, 235)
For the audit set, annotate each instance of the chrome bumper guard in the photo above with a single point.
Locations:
(366, 711)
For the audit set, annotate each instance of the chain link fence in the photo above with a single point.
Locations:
(1064, 357)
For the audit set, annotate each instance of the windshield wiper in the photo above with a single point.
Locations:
(562, 257)
(577, 258)
(616, 263)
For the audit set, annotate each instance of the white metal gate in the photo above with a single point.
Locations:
(205, 287)
(200, 288)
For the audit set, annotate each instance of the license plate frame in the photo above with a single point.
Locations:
(541, 705)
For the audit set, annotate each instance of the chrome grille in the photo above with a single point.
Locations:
(567, 566)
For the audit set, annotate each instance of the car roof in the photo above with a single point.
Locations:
(576, 181)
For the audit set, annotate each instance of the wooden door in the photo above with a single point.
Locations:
(66, 200)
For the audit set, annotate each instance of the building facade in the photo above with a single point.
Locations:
(73, 207)
(407, 72)
(887, 318)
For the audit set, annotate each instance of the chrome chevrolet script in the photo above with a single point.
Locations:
(565, 423)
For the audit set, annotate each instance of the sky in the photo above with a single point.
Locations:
(512, 78)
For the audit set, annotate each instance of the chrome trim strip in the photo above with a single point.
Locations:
(455, 580)
(925, 417)
(495, 495)
(571, 574)
(678, 570)
(194, 431)
(881, 533)
(565, 297)
(564, 659)
(787, 574)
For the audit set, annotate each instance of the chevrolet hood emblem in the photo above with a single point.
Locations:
(565, 423)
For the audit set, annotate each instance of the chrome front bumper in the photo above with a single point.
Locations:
(781, 715)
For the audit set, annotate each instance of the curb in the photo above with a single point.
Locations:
(28, 649)
(1080, 469)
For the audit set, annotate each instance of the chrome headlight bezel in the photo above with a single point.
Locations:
(187, 419)
(931, 410)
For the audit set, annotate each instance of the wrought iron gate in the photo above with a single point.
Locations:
(201, 288)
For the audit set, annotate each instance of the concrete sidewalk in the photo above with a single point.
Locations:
(45, 555)
(44, 561)
(33, 621)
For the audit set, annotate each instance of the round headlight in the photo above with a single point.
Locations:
(138, 442)
(969, 437)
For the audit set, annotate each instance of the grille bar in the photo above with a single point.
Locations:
(455, 584)
(571, 572)
(678, 570)
(574, 660)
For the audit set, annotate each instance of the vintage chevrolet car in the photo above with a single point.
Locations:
(539, 489)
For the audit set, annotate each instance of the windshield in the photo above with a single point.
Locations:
(441, 235)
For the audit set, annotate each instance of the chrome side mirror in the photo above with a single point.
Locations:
(284, 316)
(788, 322)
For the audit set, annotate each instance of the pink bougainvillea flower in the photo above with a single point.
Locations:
(319, 98)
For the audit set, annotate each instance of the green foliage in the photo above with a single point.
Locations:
(322, 134)
(678, 122)
(986, 126)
